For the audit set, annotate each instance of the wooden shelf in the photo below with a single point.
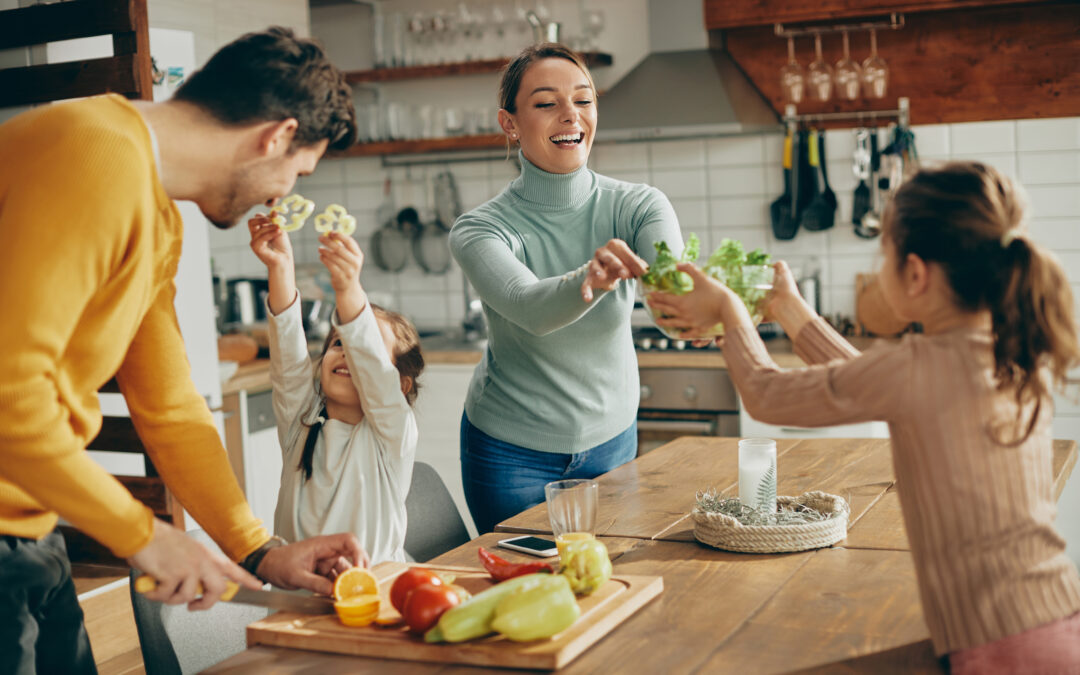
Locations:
(485, 142)
(592, 59)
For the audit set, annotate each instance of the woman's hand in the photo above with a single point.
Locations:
(785, 304)
(270, 243)
(612, 262)
(696, 312)
(344, 260)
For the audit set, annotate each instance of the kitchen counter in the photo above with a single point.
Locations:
(255, 375)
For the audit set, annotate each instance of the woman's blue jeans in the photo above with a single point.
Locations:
(502, 479)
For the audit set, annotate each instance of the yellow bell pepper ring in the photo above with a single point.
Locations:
(335, 214)
(295, 206)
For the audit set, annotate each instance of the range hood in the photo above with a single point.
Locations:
(682, 88)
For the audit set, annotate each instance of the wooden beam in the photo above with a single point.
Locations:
(53, 22)
(955, 66)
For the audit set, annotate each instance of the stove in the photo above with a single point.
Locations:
(647, 337)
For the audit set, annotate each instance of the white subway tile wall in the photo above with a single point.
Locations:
(719, 187)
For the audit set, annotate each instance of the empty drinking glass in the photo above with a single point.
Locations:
(847, 75)
(820, 75)
(875, 72)
(792, 81)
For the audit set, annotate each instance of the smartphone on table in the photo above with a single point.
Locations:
(537, 546)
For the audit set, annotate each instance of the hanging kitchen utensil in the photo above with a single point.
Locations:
(783, 224)
(447, 200)
(431, 248)
(861, 167)
(386, 209)
(389, 247)
(820, 212)
(870, 226)
(807, 181)
(827, 191)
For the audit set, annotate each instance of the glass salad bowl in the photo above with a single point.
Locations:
(751, 283)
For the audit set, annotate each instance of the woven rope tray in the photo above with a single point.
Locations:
(725, 532)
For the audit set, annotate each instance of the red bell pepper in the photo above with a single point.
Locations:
(501, 569)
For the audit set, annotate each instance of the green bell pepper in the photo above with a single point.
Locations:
(537, 611)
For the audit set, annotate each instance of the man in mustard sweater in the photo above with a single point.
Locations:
(90, 244)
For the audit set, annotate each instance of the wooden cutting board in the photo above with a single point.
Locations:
(601, 612)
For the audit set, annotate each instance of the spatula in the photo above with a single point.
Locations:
(780, 209)
(821, 211)
(861, 199)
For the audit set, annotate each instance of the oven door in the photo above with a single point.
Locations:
(657, 427)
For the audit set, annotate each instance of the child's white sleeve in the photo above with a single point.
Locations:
(290, 368)
(378, 382)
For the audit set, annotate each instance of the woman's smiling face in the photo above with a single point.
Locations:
(556, 115)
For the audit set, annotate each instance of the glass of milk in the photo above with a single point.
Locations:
(757, 474)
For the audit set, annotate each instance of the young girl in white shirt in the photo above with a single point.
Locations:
(346, 425)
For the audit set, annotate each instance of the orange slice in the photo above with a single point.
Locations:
(359, 610)
(353, 582)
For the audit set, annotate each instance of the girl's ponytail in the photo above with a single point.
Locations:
(1033, 323)
(968, 217)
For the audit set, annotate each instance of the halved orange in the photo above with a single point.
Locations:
(355, 581)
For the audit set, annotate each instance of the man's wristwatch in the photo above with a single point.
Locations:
(251, 563)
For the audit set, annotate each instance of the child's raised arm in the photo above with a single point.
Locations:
(344, 260)
(272, 246)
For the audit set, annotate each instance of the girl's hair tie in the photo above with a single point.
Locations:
(1008, 237)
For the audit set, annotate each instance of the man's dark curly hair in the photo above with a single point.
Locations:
(273, 75)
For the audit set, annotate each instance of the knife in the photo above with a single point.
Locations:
(279, 600)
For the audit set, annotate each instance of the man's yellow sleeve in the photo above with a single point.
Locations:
(178, 431)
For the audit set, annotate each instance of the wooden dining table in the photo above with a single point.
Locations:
(850, 608)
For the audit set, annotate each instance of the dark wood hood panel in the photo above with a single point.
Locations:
(961, 65)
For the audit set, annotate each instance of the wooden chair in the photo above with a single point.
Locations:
(118, 435)
(127, 72)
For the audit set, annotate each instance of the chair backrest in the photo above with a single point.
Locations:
(126, 72)
(118, 435)
(175, 641)
(435, 526)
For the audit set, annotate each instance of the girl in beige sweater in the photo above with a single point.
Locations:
(967, 402)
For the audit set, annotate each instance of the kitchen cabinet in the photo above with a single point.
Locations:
(957, 60)
(254, 451)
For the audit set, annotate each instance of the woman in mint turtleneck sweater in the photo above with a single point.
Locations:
(552, 256)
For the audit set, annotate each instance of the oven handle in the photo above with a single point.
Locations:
(687, 426)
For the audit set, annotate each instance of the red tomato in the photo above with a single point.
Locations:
(426, 604)
(407, 581)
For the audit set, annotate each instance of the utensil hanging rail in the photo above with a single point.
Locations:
(902, 114)
(895, 22)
